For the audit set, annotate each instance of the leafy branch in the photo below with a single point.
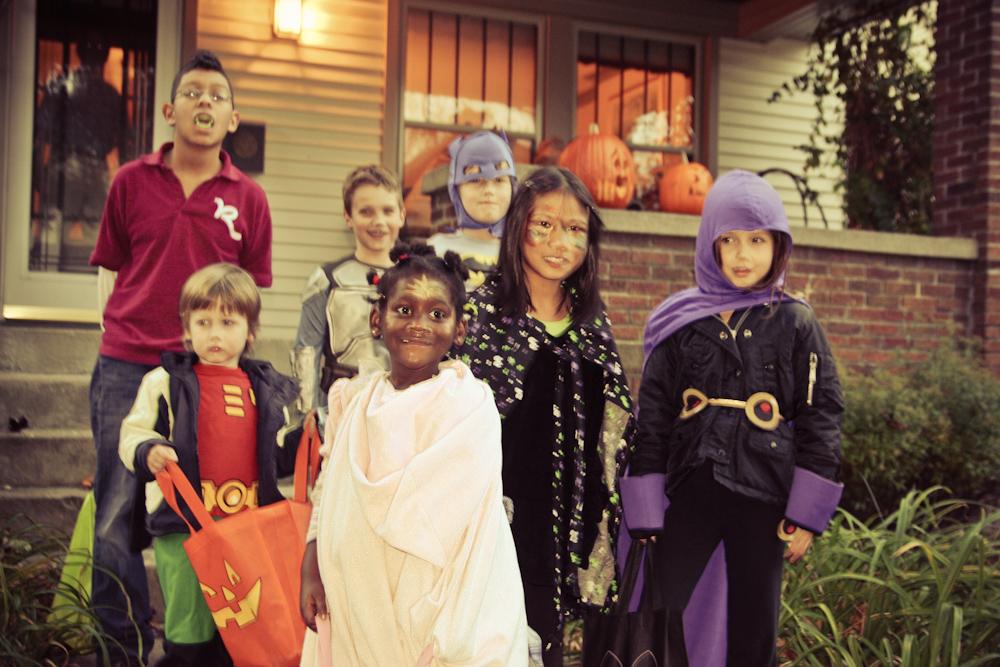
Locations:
(875, 58)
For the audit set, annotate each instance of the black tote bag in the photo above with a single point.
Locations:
(651, 636)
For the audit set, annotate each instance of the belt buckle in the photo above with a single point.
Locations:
(762, 411)
(693, 402)
(761, 408)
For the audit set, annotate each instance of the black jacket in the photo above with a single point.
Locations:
(273, 391)
(771, 352)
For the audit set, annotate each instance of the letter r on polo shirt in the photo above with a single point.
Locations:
(228, 214)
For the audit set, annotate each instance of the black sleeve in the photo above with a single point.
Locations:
(596, 495)
(817, 417)
(658, 408)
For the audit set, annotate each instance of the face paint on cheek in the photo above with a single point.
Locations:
(537, 234)
(426, 288)
(578, 241)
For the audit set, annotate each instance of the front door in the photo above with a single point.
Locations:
(82, 90)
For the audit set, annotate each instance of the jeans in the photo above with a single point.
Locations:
(113, 389)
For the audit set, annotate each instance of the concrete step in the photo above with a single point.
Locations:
(48, 401)
(46, 457)
(53, 506)
(34, 348)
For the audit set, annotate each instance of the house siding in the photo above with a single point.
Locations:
(755, 135)
(322, 100)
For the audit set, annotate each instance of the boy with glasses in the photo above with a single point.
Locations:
(167, 215)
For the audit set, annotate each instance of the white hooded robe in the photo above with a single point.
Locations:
(415, 552)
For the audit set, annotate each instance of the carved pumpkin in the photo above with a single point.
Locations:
(683, 188)
(247, 607)
(604, 164)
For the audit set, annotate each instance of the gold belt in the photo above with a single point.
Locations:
(760, 408)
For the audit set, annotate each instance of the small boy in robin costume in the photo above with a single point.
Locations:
(221, 416)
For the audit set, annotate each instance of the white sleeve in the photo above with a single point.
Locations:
(139, 425)
(105, 285)
(336, 401)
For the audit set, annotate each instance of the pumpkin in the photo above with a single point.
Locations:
(604, 164)
(683, 187)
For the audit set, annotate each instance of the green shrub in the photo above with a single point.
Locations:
(915, 588)
(931, 423)
(31, 559)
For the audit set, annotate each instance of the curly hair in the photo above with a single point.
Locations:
(419, 259)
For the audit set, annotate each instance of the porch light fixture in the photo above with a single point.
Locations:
(288, 18)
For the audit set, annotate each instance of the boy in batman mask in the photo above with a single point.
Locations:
(481, 183)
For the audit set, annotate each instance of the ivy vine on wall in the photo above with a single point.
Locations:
(876, 58)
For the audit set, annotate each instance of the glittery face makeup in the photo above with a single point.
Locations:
(418, 324)
(424, 287)
(555, 238)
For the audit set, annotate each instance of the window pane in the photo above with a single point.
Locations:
(463, 73)
(638, 89)
(642, 91)
(471, 82)
(524, 85)
(418, 53)
(93, 112)
(444, 83)
(470, 71)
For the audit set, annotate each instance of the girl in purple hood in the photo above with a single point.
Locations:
(739, 419)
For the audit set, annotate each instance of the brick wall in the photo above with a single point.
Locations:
(881, 297)
(876, 308)
(967, 150)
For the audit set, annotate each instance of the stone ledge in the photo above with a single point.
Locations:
(686, 226)
(854, 240)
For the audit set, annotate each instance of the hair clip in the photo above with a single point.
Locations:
(375, 279)
(403, 257)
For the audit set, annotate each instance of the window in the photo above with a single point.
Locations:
(641, 90)
(462, 74)
(93, 112)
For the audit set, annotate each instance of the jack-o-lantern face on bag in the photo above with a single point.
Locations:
(236, 603)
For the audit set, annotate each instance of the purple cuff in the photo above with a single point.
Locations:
(812, 500)
(644, 501)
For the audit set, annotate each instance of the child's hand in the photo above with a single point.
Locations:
(799, 544)
(312, 601)
(158, 456)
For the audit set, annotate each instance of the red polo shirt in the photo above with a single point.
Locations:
(155, 239)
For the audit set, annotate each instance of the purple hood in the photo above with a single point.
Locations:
(739, 200)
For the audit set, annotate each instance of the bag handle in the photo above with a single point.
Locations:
(636, 554)
(307, 457)
(171, 478)
(651, 596)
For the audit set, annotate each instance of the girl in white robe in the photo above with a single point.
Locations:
(416, 563)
